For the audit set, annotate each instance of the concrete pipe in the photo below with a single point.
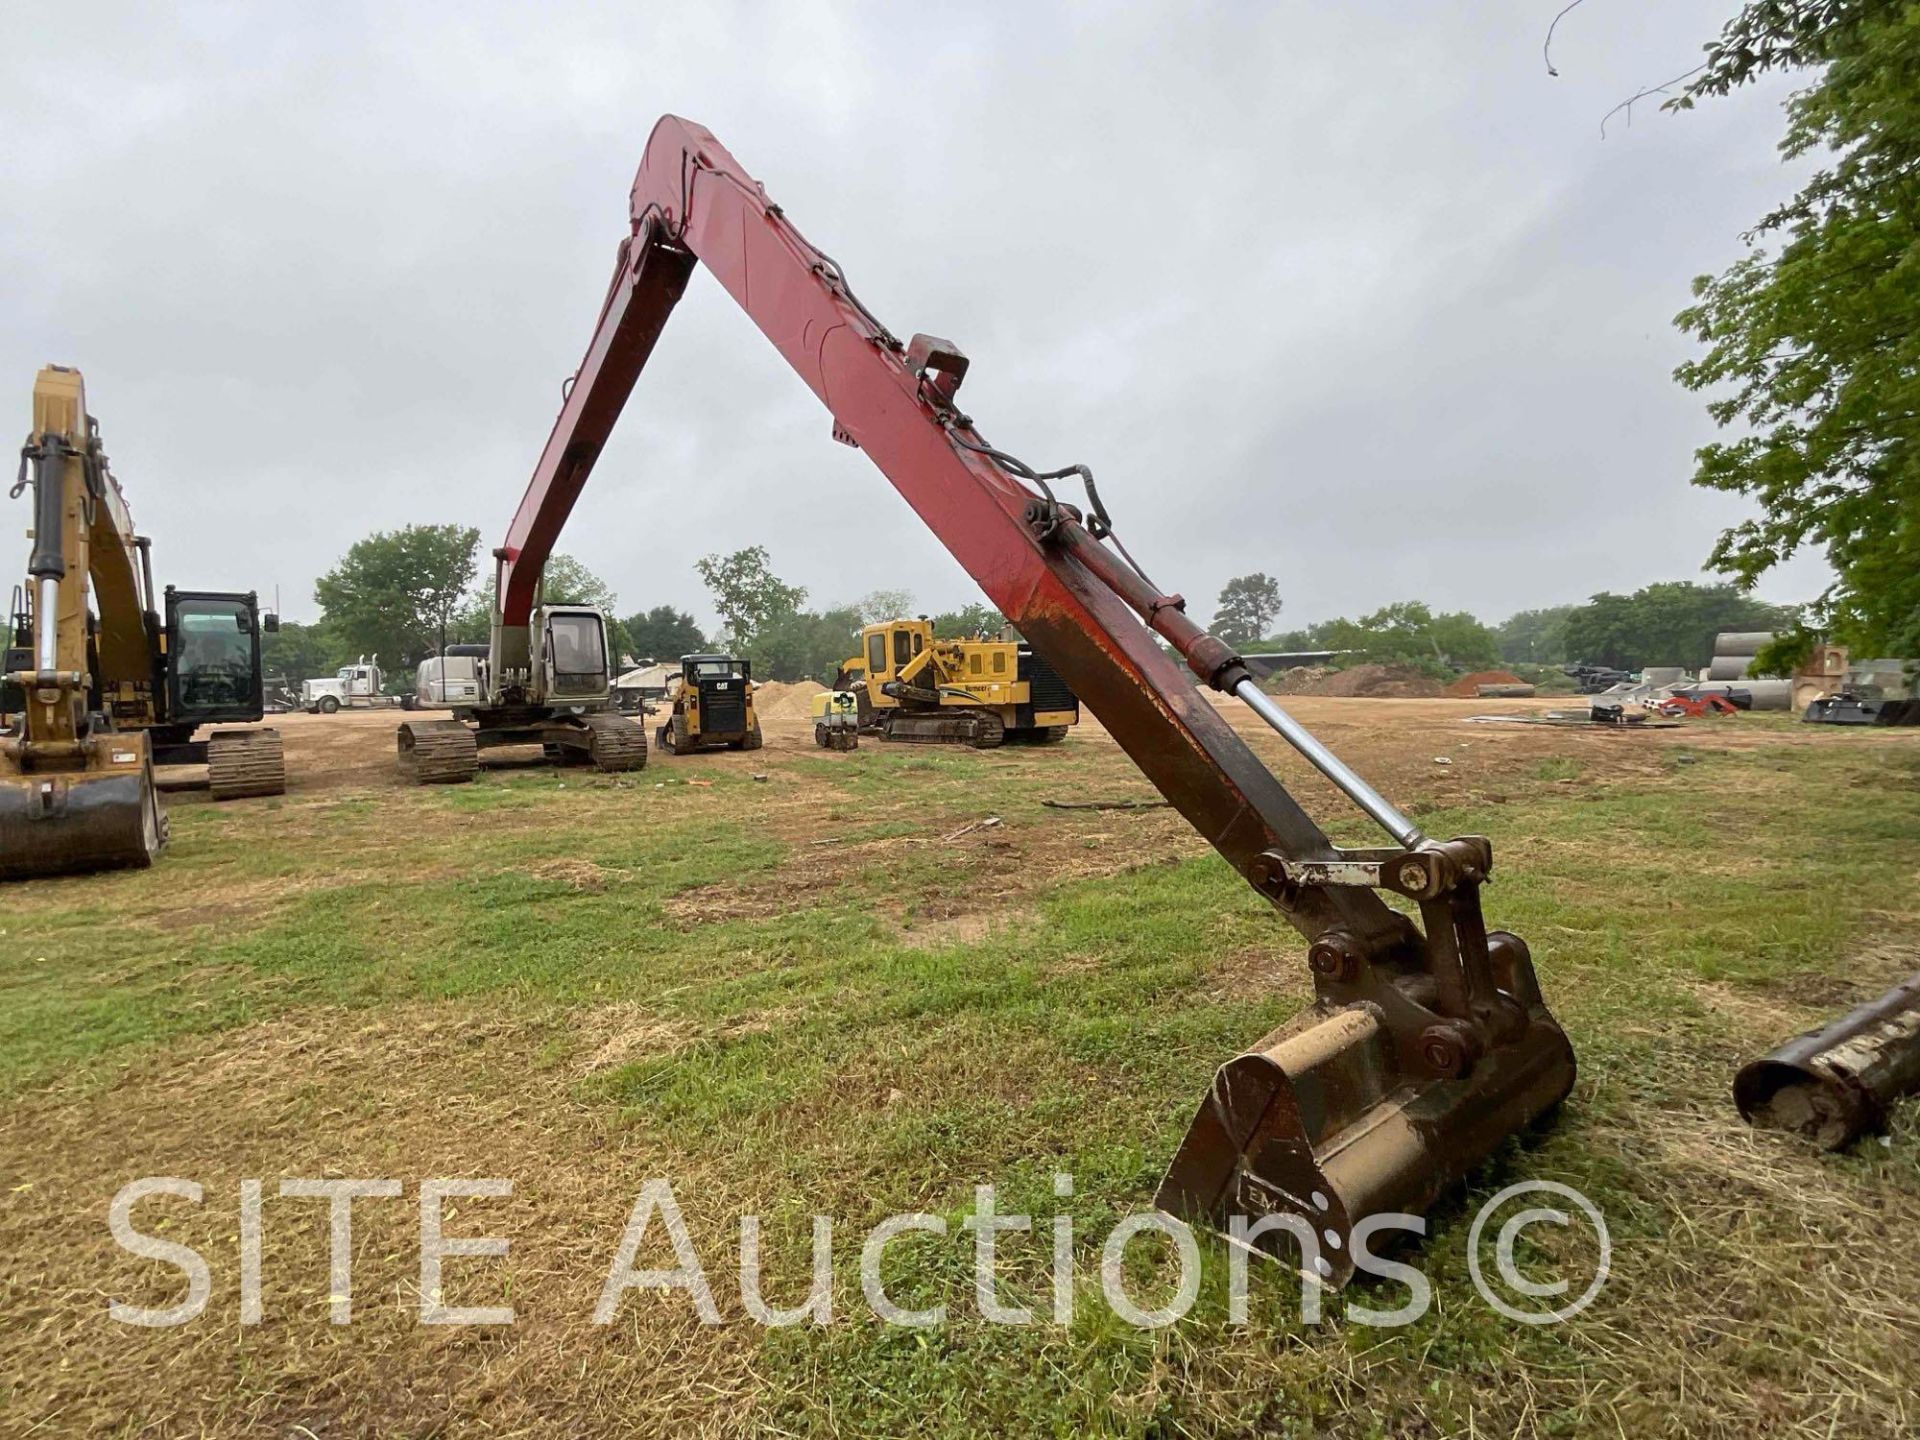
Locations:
(1741, 642)
(1729, 667)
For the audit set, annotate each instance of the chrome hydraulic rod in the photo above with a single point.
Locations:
(46, 626)
(1332, 766)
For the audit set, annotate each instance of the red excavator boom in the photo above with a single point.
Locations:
(1427, 1044)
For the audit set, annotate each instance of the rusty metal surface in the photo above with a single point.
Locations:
(1325, 1119)
(1834, 1084)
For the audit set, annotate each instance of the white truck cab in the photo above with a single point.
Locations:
(357, 686)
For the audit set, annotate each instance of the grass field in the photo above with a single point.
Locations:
(796, 983)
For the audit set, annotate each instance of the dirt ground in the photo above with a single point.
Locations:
(877, 978)
(1381, 737)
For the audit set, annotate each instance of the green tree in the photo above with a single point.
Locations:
(1535, 637)
(1248, 605)
(1812, 346)
(663, 633)
(301, 652)
(472, 623)
(968, 622)
(1672, 622)
(879, 605)
(1408, 633)
(565, 581)
(396, 592)
(801, 645)
(746, 593)
(1404, 633)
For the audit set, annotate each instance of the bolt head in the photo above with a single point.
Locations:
(1443, 1051)
(1333, 957)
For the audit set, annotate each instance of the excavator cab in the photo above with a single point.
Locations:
(214, 673)
(574, 666)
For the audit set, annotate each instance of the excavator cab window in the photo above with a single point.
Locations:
(213, 657)
(902, 647)
(876, 654)
(577, 655)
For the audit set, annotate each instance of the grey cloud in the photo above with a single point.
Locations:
(1351, 294)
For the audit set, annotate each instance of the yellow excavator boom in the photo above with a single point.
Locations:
(74, 795)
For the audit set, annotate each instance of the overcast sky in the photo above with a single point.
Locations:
(1354, 294)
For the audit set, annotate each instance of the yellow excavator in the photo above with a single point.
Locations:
(100, 686)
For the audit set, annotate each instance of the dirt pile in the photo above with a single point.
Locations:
(1300, 680)
(1467, 687)
(1379, 682)
(778, 700)
(1368, 682)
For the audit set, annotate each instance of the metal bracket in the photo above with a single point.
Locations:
(1425, 873)
(939, 365)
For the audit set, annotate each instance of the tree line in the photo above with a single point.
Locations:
(403, 594)
(1669, 623)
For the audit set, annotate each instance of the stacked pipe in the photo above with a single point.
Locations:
(1733, 652)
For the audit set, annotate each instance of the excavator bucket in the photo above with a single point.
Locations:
(1324, 1121)
(95, 809)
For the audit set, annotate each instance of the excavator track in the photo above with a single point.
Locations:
(982, 729)
(438, 752)
(242, 764)
(615, 743)
(1042, 735)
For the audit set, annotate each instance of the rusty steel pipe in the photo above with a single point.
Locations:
(1834, 1084)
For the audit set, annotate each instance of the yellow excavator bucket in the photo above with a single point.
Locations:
(93, 809)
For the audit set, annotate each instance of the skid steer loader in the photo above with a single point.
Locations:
(710, 706)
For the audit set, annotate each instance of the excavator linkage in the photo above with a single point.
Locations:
(1428, 1042)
